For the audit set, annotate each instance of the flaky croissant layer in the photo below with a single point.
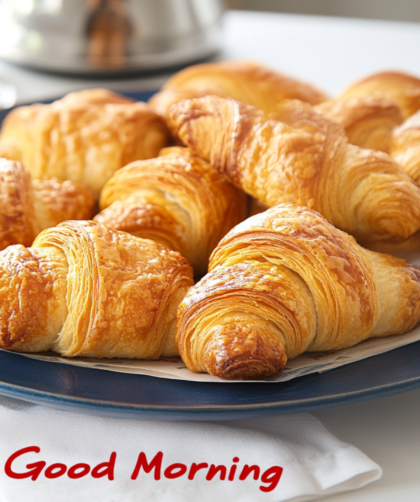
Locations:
(244, 81)
(176, 199)
(368, 121)
(85, 290)
(405, 146)
(28, 206)
(284, 282)
(84, 137)
(401, 88)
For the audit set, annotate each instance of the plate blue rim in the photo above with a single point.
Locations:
(103, 392)
(134, 396)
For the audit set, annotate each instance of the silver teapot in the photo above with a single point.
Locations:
(108, 36)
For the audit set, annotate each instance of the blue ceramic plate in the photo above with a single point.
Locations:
(116, 394)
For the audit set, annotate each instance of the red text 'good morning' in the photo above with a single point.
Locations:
(269, 478)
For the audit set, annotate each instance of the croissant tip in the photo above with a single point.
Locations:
(245, 367)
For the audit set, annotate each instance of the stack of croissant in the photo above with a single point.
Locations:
(104, 222)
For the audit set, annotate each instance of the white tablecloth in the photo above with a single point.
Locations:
(48, 454)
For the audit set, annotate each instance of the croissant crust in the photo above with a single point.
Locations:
(176, 199)
(298, 156)
(29, 206)
(286, 281)
(401, 88)
(84, 137)
(405, 146)
(85, 290)
(241, 80)
(368, 121)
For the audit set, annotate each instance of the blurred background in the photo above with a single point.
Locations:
(398, 10)
(50, 47)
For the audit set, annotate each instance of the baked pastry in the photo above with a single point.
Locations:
(176, 199)
(401, 88)
(9, 151)
(85, 290)
(29, 206)
(96, 96)
(284, 282)
(368, 121)
(84, 137)
(405, 146)
(303, 158)
(255, 206)
(244, 81)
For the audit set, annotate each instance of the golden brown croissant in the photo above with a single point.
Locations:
(401, 88)
(303, 159)
(29, 206)
(85, 290)
(284, 282)
(368, 121)
(255, 206)
(84, 137)
(405, 146)
(9, 151)
(244, 81)
(176, 199)
(95, 97)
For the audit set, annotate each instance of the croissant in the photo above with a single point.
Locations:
(303, 159)
(284, 282)
(84, 137)
(95, 97)
(401, 88)
(241, 80)
(9, 151)
(29, 206)
(85, 290)
(368, 121)
(176, 199)
(405, 146)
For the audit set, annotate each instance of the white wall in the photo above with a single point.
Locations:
(402, 10)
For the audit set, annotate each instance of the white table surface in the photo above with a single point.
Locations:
(330, 53)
